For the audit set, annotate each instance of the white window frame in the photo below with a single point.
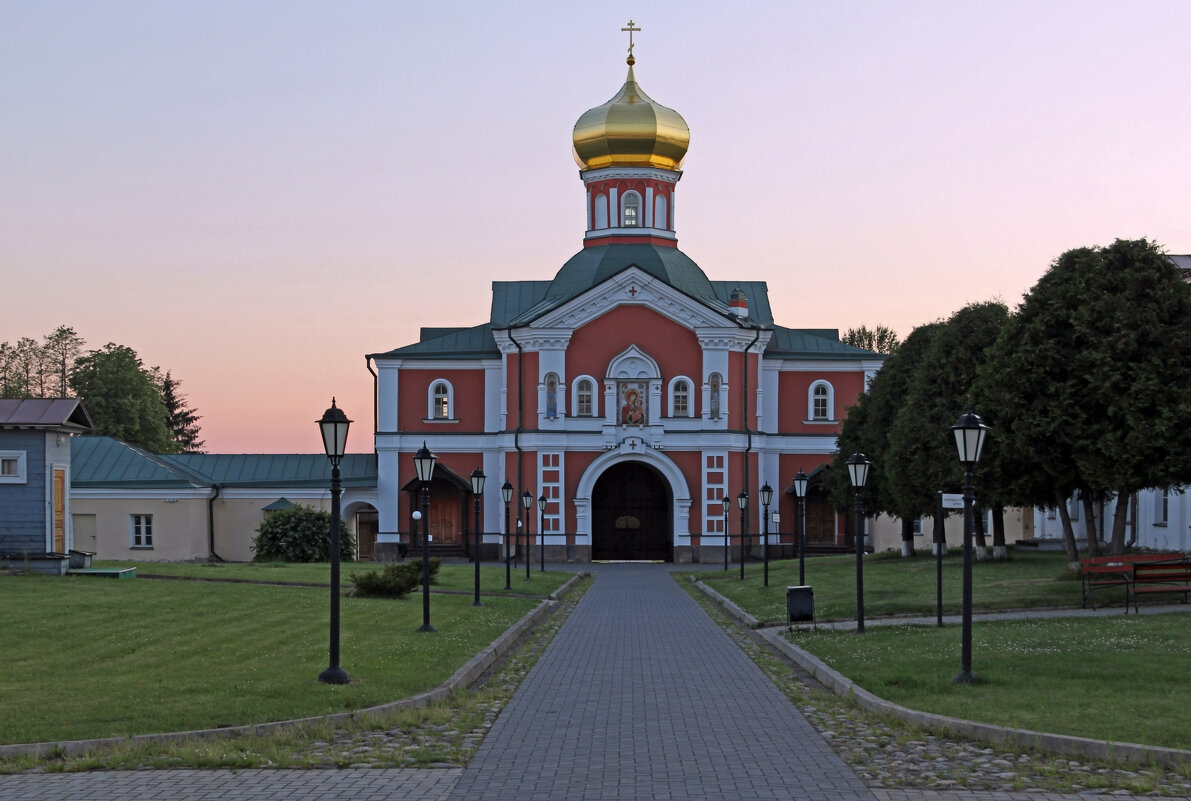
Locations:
(140, 532)
(432, 407)
(1162, 507)
(638, 210)
(811, 417)
(595, 396)
(21, 476)
(672, 390)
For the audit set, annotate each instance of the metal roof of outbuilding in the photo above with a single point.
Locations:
(107, 462)
(48, 413)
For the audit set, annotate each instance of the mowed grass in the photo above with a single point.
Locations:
(452, 577)
(1120, 678)
(897, 586)
(92, 657)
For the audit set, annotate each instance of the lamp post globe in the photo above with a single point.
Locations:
(477, 490)
(800, 482)
(424, 462)
(506, 494)
(858, 468)
(970, 433)
(333, 427)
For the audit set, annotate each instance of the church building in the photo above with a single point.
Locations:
(627, 394)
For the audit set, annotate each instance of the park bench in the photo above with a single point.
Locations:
(1106, 572)
(1154, 577)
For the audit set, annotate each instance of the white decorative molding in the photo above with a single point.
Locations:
(630, 173)
(635, 287)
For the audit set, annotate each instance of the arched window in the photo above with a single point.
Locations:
(441, 400)
(552, 394)
(632, 210)
(680, 397)
(585, 398)
(821, 402)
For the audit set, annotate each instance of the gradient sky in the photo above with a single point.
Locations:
(254, 195)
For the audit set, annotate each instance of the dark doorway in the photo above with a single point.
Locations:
(631, 515)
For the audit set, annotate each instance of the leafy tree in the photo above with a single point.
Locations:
(61, 348)
(921, 449)
(1092, 378)
(180, 419)
(122, 398)
(298, 534)
(866, 430)
(881, 339)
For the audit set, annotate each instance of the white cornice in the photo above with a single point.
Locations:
(436, 364)
(638, 173)
(601, 233)
(785, 365)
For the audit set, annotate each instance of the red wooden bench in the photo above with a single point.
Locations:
(1105, 572)
(1170, 576)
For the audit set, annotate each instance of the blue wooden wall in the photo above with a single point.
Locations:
(23, 507)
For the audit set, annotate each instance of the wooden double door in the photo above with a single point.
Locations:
(631, 515)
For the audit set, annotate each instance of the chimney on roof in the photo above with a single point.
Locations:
(738, 303)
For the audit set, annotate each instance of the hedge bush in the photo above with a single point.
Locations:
(299, 534)
(395, 580)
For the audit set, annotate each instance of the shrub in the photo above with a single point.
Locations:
(395, 580)
(299, 534)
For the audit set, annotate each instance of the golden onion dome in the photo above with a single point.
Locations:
(631, 130)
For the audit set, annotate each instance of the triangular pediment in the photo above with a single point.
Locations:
(635, 287)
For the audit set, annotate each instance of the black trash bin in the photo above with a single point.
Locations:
(800, 604)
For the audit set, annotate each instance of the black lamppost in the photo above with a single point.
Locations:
(858, 472)
(970, 432)
(424, 465)
(506, 492)
(333, 426)
(800, 481)
(542, 530)
(477, 490)
(727, 540)
(766, 497)
(527, 504)
(742, 500)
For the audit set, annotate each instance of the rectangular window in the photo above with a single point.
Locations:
(12, 467)
(141, 531)
(1163, 512)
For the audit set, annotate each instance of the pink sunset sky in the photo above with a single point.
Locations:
(254, 195)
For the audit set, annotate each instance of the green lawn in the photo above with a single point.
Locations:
(94, 657)
(1120, 678)
(897, 586)
(451, 577)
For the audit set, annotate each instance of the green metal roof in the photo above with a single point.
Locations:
(813, 343)
(106, 462)
(593, 266)
(448, 343)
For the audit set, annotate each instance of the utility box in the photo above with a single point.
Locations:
(800, 604)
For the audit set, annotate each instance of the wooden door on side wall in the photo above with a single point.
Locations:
(59, 510)
(820, 519)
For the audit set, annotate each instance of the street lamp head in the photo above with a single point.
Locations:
(477, 481)
(333, 426)
(506, 492)
(800, 481)
(742, 500)
(424, 464)
(858, 470)
(766, 494)
(527, 499)
(970, 432)
(727, 503)
(542, 503)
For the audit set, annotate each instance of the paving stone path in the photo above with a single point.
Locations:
(642, 696)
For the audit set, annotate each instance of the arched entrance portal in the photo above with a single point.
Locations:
(631, 515)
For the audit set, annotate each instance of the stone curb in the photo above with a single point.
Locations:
(463, 678)
(1023, 738)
